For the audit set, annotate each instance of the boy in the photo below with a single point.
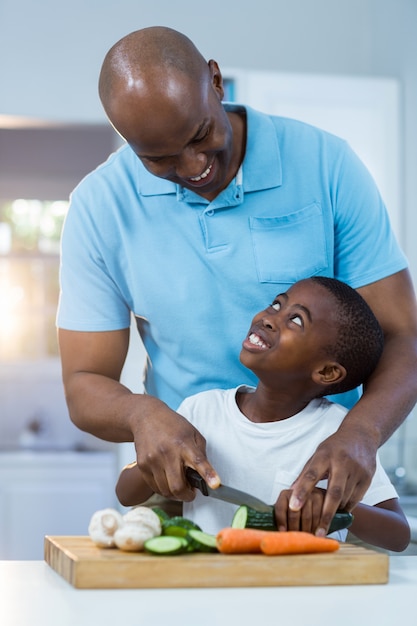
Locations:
(318, 338)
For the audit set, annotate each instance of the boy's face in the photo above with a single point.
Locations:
(289, 336)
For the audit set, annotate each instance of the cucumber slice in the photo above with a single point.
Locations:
(165, 545)
(178, 526)
(202, 542)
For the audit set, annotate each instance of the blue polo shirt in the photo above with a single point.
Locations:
(194, 272)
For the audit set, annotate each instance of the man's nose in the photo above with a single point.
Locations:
(190, 163)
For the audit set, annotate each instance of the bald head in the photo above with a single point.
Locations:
(149, 60)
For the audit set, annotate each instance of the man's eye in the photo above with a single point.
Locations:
(276, 306)
(201, 138)
(297, 320)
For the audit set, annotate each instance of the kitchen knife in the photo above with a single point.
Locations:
(342, 519)
(227, 494)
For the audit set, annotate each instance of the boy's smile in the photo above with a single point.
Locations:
(255, 339)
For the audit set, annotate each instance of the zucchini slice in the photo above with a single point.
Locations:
(166, 545)
(201, 541)
(178, 526)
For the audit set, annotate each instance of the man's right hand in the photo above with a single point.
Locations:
(166, 443)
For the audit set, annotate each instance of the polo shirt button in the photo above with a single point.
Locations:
(210, 212)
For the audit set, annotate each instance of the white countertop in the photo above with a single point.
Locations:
(31, 593)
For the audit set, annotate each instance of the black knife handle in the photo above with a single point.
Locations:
(196, 480)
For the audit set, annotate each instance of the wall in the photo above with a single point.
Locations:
(51, 52)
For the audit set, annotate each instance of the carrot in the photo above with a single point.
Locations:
(296, 542)
(240, 540)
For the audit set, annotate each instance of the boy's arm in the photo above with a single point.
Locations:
(131, 488)
(383, 525)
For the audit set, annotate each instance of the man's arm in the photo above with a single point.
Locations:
(98, 403)
(347, 458)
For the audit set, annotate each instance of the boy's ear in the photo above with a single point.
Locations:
(329, 374)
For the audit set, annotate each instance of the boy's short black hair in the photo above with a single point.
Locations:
(360, 339)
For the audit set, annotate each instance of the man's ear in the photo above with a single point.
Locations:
(216, 78)
(329, 374)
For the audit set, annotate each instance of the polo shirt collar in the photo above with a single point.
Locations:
(261, 167)
(262, 163)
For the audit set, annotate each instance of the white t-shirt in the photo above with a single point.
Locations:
(262, 459)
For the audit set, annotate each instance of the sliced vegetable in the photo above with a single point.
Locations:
(201, 541)
(246, 517)
(240, 540)
(178, 526)
(296, 542)
(166, 545)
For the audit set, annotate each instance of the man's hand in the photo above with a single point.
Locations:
(166, 443)
(348, 462)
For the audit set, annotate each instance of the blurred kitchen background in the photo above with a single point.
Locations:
(349, 66)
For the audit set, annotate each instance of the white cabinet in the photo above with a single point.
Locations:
(51, 493)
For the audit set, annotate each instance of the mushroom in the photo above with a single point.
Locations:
(145, 517)
(103, 526)
(131, 536)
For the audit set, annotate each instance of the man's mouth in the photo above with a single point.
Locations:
(202, 176)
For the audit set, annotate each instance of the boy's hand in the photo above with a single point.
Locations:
(306, 519)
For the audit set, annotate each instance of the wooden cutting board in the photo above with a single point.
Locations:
(85, 566)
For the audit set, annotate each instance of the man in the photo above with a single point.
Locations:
(195, 221)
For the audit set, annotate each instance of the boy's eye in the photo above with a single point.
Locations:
(276, 306)
(297, 320)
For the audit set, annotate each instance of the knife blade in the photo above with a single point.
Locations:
(225, 493)
(342, 519)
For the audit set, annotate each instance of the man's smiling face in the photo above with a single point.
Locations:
(183, 136)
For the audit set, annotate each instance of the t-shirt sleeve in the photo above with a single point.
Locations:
(381, 488)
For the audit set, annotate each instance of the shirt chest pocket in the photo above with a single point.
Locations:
(289, 247)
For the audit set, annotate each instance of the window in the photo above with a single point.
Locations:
(29, 264)
(39, 167)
